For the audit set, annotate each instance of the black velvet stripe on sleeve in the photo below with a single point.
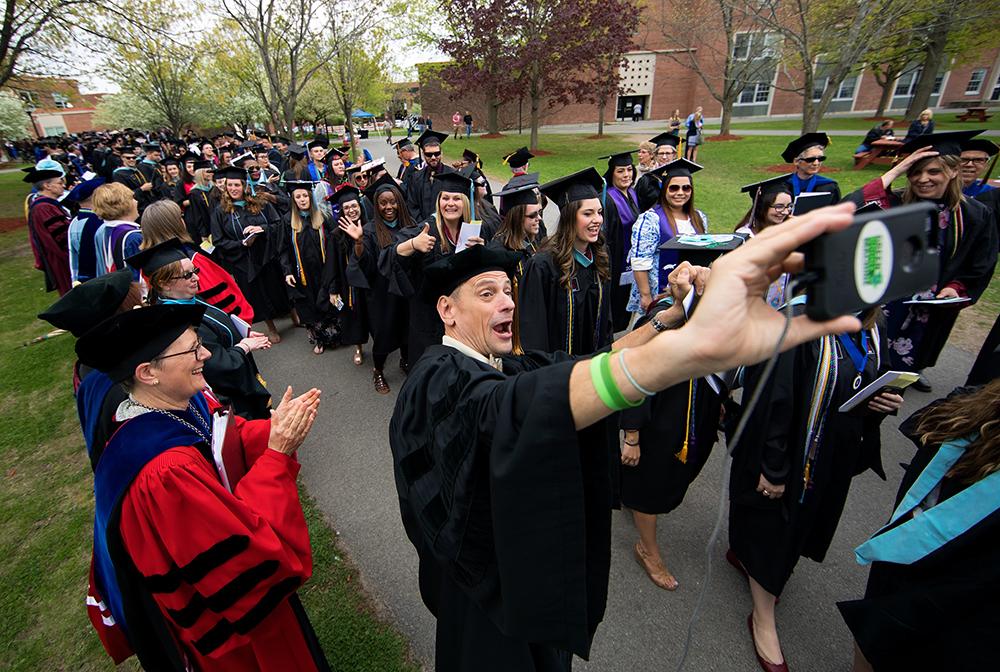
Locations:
(201, 565)
(212, 291)
(225, 629)
(226, 597)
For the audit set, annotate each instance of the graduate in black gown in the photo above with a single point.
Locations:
(647, 189)
(200, 203)
(793, 467)
(930, 603)
(352, 305)
(621, 209)
(420, 191)
(231, 370)
(965, 237)
(808, 153)
(668, 439)
(248, 235)
(149, 167)
(424, 244)
(388, 312)
(565, 296)
(490, 229)
(307, 262)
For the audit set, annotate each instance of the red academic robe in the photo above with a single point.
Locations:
(48, 228)
(222, 566)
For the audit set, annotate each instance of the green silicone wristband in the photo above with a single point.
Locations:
(616, 393)
(598, 381)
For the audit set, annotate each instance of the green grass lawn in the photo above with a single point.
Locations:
(943, 121)
(728, 166)
(46, 510)
(12, 192)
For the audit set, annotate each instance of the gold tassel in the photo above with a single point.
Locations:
(683, 454)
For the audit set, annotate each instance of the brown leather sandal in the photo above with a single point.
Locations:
(381, 386)
(656, 572)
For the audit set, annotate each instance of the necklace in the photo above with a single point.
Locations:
(191, 409)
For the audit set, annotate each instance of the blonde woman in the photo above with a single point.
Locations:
(119, 236)
(647, 157)
(922, 125)
(695, 122)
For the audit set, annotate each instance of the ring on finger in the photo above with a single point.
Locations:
(766, 493)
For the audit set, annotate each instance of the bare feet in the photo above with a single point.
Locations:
(318, 350)
(654, 568)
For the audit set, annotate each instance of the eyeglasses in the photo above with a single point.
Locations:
(431, 155)
(813, 159)
(782, 208)
(979, 161)
(186, 275)
(674, 188)
(192, 351)
(667, 153)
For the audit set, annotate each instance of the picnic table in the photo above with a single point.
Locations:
(975, 114)
(882, 153)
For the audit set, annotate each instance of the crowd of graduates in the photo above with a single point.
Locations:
(211, 236)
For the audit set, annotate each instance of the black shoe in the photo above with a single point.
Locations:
(404, 366)
(922, 384)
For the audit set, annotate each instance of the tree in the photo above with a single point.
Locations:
(697, 46)
(609, 59)
(291, 44)
(125, 110)
(13, 118)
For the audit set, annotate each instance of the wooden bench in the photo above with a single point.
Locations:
(975, 114)
(882, 153)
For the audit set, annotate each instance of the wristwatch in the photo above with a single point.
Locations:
(657, 325)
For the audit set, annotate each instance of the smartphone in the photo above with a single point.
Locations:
(882, 256)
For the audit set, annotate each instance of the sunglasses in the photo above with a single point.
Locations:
(192, 351)
(535, 215)
(674, 188)
(186, 275)
(813, 159)
(431, 155)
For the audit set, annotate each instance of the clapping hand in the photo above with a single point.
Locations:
(292, 420)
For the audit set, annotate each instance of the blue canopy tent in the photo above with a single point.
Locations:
(361, 114)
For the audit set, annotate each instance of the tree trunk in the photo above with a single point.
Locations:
(728, 100)
(600, 115)
(887, 85)
(492, 115)
(810, 121)
(536, 103)
(932, 63)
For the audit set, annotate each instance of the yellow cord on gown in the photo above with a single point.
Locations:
(683, 454)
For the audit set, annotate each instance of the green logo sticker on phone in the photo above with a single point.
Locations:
(873, 261)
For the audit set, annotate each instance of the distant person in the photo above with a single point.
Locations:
(694, 122)
(456, 122)
(922, 125)
(637, 112)
(807, 153)
(879, 132)
(48, 228)
(387, 125)
(674, 125)
(467, 120)
(429, 122)
(975, 156)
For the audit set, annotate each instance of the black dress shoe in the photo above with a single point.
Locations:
(922, 384)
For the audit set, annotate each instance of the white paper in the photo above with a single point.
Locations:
(626, 278)
(468, 230)
(936, 302)
(706, 239)
(894, 379)
(220, 421)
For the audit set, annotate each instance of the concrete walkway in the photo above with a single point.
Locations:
(652, 127)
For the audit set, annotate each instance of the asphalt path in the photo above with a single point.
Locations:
(347, 467)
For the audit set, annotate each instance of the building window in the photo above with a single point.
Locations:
(907, 83)
(27, 97)
(996, 91)
(975, 84)
(61, 101)
(754, 93)
(749, 46)
(846, 89)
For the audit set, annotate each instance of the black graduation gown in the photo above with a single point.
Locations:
(406, 279)
(970, 260)
(232, 375)
(647, 189)
(313, 269)
(659, 482)
(769, 535)
(388, 312)
(544, 308)
(130, 177)
(508, 508)
(198, 214)
(420, 192)
(160, 190)
(488, 215)
(991, 199)
(619, 241)
(353, 316)
(256, 267)
(938, 613)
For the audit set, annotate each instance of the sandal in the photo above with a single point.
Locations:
(656, 572)
(359, 356)
(319, 350)
(381, 386)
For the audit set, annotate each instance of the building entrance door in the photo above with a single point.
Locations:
(626, 105)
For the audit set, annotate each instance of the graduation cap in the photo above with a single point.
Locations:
(524, 194)
(282, 139)
(119, 344)
(383, 183)
(84, 306)
(445, 275)
(231, 173)
(452, 182)
(292, 185)
(189, 156)
(85, 189)
(767, 186)
(431, 138)
(369, 166)
(676, 168)
(470, 156)
(518, 158)
(980, 145)
(702, 250)
(36, 175)
(947, 143)
(801, 144)
(320, 141)
(204, 164)
(616, 161)
(151, 147)
(346, 194)
(242, 158)
(297, 150)
(156, 257)
(664, 139)
(356, 168)
(336, 152)
(403, 144)
(583, 184)
(170, 162)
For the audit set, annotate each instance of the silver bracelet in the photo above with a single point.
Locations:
(628, 374)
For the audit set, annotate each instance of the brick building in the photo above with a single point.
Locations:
(655, 78)
(55, 105)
